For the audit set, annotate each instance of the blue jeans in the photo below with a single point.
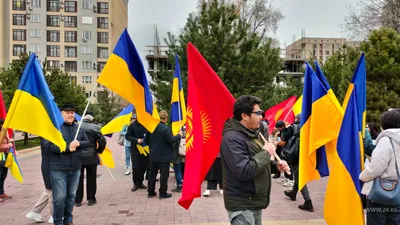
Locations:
(178, 174)
(378, 214)
(64, 184)
(127, 155)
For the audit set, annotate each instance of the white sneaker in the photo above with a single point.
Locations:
(51, 220)
(35, 217)
(221, 192)
(207, 193)
(283, 181)
(289, 183)
(128, 170)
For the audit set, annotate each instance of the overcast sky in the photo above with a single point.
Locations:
(319, 18)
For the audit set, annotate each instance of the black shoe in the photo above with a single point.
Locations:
(142, 186)
(177, 189)
(276, 176)
(150, 195)
(291, 195)
(307, 206)
(92, 202)
(166, 195)
(78, 204)
(135, 188)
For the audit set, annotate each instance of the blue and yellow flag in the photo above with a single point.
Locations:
(344, 188)
(106, 158)
(317, 133)
(13, 165)
(178, 111)
(115, 125)
(125, 75)
(33, 97)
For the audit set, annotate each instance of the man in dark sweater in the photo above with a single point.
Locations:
(65, 167)
(246, 161)
(161, 155)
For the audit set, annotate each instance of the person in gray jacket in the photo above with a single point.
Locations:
(383, 165)
(97, 144)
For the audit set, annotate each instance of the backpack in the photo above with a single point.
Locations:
(121, 137)
(290, 152)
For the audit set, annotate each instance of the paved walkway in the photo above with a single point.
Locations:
(117, 205)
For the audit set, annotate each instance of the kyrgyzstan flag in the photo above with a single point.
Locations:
(210, 104)
(282, 111)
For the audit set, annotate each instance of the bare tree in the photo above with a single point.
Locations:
(369, 15)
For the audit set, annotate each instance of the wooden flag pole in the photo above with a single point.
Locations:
(275, 155)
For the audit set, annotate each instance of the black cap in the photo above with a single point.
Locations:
(280, 124)
(90, 113)
(68, 107)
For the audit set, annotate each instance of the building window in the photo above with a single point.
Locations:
(71, 51)
(71, 66)
(70, 6)
(70, 36)
(36, 3)
(53, 50)
(36, 33)
(86, 50)
(19, 5)
(53, 64)
(100, 66)
(70, 21)
(53, 36)
(102, 37)
(19, 49)
(19, 19)
(53, 5)
(102, 22)
(36, 48)
(73, 80)
(35, 18)
(102, 53)
(86, 65)
(89, 93)
(86, 79)
(53, 21)
(102, 7)
(87, 35)
(326, 52)
(87, 20)
(19, 35)
(87, 4)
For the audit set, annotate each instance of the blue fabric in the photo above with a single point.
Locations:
(127, 155)
(65, 183)
(178, 174)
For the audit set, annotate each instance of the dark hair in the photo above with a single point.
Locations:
(245, 104)
(373, 130)
(390, 119)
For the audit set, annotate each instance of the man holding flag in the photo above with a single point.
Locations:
(4, 148)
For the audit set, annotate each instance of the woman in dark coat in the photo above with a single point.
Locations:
(46, 196)
(214, 177)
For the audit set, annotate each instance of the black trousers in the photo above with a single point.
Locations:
(140, 166)
(164, 174)
(91, 184)
(212, 184)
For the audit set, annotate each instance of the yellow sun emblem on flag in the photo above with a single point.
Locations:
(206, 127)
(278, 114)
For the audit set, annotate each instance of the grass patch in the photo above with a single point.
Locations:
(32, 142)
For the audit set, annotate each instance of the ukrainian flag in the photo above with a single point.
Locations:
(344, 188)
(106, 158)
(178, 111)
(12, 164)
(33, 98)
(115, 125)
(320, 123)
(125, 75)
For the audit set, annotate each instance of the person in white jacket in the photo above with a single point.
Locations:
(383, 165)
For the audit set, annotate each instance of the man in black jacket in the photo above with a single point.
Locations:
(246, 163)
(65, 167)
(161, 154)
(97, 144)
(139, 162)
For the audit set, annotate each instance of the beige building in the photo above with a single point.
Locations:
(75, 35)
(321, 48)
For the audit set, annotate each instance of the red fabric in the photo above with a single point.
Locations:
(280, 112)
(210, 104)
(3, 112)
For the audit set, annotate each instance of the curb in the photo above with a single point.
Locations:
(28, 150)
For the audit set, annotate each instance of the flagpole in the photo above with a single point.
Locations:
(287, 115)
(84, 112)
(275, 155)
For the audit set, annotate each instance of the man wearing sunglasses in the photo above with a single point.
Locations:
(246, 163)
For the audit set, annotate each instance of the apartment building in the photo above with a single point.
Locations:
(75, 35)
(321, 48)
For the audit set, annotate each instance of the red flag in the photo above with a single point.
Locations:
(210, 104)
(3, 112)
(282, 111)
